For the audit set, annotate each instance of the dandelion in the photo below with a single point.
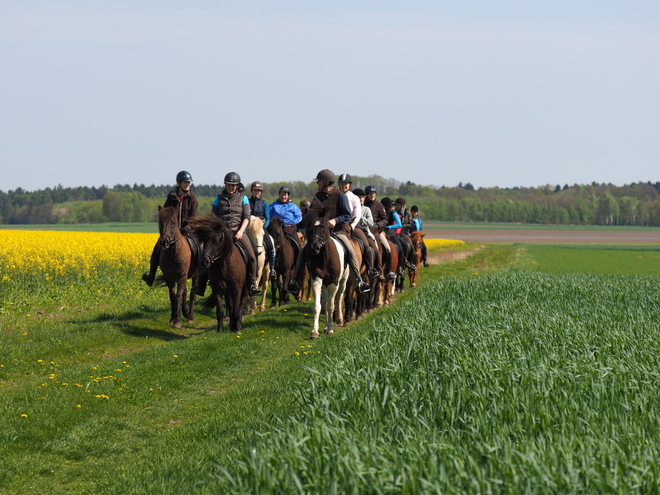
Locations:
(24, 415)
(78, 405)
(297, 353)
(175, 355)
(40, 360)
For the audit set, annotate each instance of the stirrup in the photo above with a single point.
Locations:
(391, 276)
(293, 288)
(273, 274)
(254, 289)
(363, 287)
(372, 272)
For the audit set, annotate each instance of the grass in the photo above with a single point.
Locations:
(100, 395)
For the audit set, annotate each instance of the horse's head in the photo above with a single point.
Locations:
(276, 230)
(318, 235)
(257, 232)
(214, 233)
(168, 226)
(416, 238)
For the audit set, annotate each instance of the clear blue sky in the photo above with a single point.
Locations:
(506, 93)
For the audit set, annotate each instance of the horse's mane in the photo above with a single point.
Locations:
(167, 214)
(213, 229)
(313, 216)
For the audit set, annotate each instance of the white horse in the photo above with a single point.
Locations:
(263, 267)
(328, 274)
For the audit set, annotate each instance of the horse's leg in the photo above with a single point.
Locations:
(264, 291)
(330, 293)
(193, 298)
(317, 284)
(219, 311)
(275, 286)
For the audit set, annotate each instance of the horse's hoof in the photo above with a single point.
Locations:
(314, 335)
(176, 324)
(191, 320)
(329, 332)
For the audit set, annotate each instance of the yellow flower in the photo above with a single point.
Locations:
(40, 360)
(78, 405)
(297, 353)
(24, 415)
(175, 355)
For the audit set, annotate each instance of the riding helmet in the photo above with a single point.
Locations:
(359, 192)
(345, 178)
(327, 175)
(183, 175)
(256, 185)
(370, 189)
(400, 201)
(285, 189)
(387, 203)
(232, 178)
(305, 203)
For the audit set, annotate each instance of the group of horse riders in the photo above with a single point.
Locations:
(341, 206)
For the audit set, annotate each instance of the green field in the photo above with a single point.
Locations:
(520, 369)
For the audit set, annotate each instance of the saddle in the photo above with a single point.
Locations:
(196, 249)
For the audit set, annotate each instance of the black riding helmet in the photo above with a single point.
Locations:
(232, 178)
(359, 192)
(285, 189)
(345, 178)
(183, 175)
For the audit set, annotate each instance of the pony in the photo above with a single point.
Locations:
(328, 271)
(176, 263)
(227, 270)
(355, 302)
(390, 286)
(285, 262)
(417, 239)
(256, 229)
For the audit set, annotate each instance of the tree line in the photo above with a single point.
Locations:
(592, 204)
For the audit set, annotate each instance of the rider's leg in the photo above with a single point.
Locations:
(153, 265)
(352, 261)
(368, 253)
(269, 247)
(388, 255)
(294, 286)
(252, 265)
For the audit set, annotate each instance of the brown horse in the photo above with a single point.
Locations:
(328, 272)
(176, 264)
(353, 299)
(285, 262)
(391, 285)
(227, 270)
(417, 239)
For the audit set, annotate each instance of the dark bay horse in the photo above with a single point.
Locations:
(285, 262)
(176, 263)
(227, 270)
(417, 238)
(355, 302)
(328, 272)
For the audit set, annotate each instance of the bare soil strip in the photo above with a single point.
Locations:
(547, 236)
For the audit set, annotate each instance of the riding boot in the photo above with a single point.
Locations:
(153, 266)
(254, 288)
(294, 286)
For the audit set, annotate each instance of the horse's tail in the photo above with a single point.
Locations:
(159, 281)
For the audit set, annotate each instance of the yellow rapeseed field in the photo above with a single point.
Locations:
(442, 243)
(51, 254)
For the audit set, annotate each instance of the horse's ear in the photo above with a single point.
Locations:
(423, 234)
(160, 207)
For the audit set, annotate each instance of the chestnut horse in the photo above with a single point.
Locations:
(417, 239)
(227, 270)
(176, 264)
(328, 272)
(285, 262)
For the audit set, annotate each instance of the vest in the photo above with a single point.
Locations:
(230, 209)
(258, 208)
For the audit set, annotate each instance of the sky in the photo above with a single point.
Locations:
(507, 93)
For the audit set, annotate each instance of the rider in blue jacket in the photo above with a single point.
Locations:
(289, 212)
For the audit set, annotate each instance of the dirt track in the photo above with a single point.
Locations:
(547, 236)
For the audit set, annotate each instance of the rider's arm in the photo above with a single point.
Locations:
(266, 213)
(343, 210)
(397, 222)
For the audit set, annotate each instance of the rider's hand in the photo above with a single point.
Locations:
(331, 223)
(290, 229)
(238, 235)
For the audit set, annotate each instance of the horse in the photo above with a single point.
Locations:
(389, 288)
(417, 239)
(227, 270)
(285, 262)
(256, 229)
(353, 299)
(176, 263)
(328, 271)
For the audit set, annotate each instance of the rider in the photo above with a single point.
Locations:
(394, 227)
(367, 221)
(259, 208)
(406, 221)
(417, 225)
(380, 220)
(182, 197)
(234, 208)
(345, 182)
(289, 212)
(337, 209)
